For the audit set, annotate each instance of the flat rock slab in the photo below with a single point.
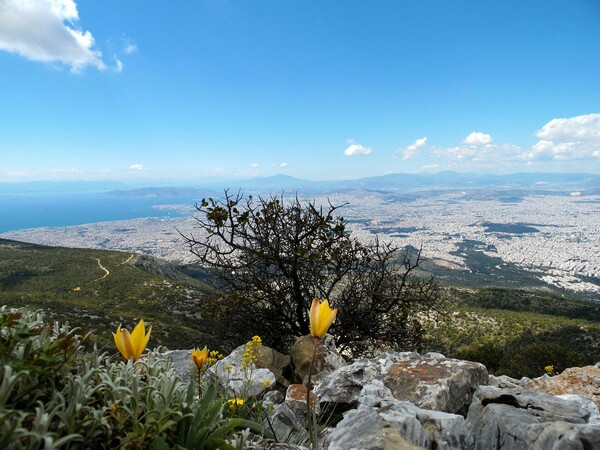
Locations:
(438, 384)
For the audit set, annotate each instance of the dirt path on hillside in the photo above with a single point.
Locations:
(106, 272)
(127, 260)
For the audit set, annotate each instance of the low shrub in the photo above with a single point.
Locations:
(55, 395)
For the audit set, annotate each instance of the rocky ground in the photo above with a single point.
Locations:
(403, 400)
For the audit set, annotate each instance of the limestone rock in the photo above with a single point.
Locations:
(366, 429)
(327, 358)
(276, 362)
(438, 384)
(286, 425)
(444, 430)
(295, 398)
(441, 384)
(506, 382)
(182, 363)
(520, 419)
(584, 381)
(238, 381)
(272, 398)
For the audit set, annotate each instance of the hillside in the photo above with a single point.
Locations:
(516, 332)
(513, 331)
(98, 290)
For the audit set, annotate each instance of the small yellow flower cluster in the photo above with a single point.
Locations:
(213, 357)
(550, 370)
(251, 352)
(235, 402)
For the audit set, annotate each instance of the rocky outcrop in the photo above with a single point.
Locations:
(519, 419)
(381, 421)
(435, 383)
(584, 381)
(403, 400)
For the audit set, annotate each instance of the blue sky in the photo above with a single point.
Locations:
(181, 91)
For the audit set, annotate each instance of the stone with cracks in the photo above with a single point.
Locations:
(519, 419)
(367, 429)
(441, 384)
(444, 430)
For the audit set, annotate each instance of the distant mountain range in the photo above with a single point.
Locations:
(586, 183)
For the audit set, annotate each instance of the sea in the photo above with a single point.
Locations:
(34, 210)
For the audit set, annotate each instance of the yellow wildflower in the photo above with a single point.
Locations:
(213, 357)
(235, 402)
(200, 357)
(251, 352)
(131, 345)
(321, 318)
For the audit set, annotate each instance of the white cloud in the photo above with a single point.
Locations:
(562, 151)
(430, 167)
(130, 47)
(136, 167)
(412, 151)
(574, 138)
(283, 164)
(254, 166)
(478, 138)
(47, 31)
(578, 128)
(118, 65)
(357, 149)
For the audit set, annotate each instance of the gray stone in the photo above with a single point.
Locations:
(272, 398)
(438, 384)
(433, 355)
(504, 382)
(430, 383)
(182, 362)
(444, 430)
(276, 362)
(520, 419)
(285, 424)
(326, 361)
(367, 429)
(230, 373)
(585, 403)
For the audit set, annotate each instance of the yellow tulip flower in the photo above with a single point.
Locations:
(200, 357)
(131, 345)
(321, 318)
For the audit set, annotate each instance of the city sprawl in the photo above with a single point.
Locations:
(559, 238)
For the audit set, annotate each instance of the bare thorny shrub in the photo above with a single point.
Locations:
(269, 257)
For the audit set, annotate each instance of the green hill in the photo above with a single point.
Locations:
(97, 290)
(513, 331)
(517, 331)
